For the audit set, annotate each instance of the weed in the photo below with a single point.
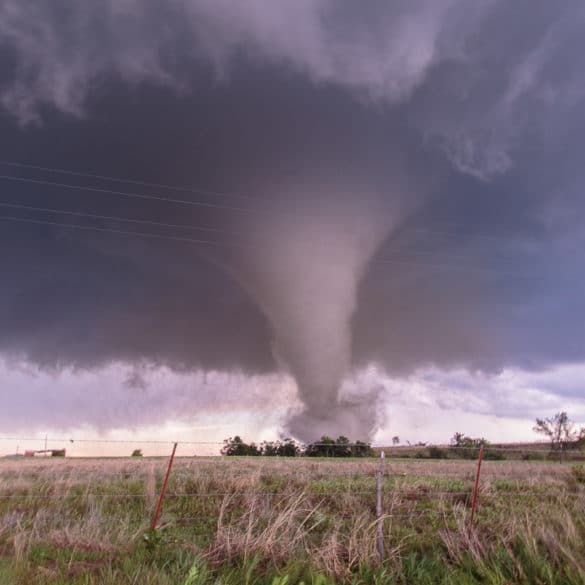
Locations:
(578, 472)
(289, 522)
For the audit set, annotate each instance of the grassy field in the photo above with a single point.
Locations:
(280, 522)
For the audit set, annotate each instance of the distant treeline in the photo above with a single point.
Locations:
(499, 452)
(460, 447)
(464, 447)
(324, 447)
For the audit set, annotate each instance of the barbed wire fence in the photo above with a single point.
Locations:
(380, 482)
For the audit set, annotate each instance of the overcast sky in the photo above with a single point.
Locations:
(291, 217)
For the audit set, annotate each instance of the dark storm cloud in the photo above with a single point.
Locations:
(61, 49)
(444, 141)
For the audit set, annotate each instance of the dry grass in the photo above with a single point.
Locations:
(229, 511)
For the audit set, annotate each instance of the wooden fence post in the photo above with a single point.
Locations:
(163, 490)
(475, 488)
(380, 525)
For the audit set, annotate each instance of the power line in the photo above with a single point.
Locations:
(196, 191)
(544, 450)
(141, 196)
(113, 231)
(147, 222)
(111, 217)
(457, 234)
(385, 260)
(200, 191)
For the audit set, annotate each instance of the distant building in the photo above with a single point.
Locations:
(49, 452)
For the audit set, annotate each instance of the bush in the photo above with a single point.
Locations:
(468, 447)
(236, 447)
(437, 453)
(578, 472)
(284, 448)
(340, 447)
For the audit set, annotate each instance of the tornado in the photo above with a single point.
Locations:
(304, 269)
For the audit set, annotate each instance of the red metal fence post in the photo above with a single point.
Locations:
(475, 488)
(163, 490)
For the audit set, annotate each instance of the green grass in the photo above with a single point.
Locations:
(286, 522)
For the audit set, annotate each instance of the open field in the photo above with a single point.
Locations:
(285, 521)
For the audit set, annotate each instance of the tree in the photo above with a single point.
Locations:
(324, 447)
(395, 440)
(340, 447)
(285, 448)
(236, 447)
(137, 453)
(560, 431)
(467, 447)
(361, 449)
(288, 448)
(270, 448)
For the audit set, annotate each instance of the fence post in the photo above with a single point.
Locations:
(475, 488)
(380, 524)
(163, 490)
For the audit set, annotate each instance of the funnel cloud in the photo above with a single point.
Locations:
(306, 283)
